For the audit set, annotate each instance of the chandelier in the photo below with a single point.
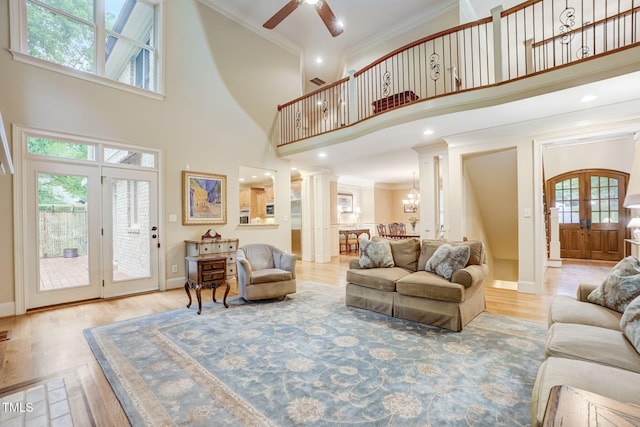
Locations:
(413, 198)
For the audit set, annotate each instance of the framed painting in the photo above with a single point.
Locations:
(410, 209)
(345, 203)
(204, 198)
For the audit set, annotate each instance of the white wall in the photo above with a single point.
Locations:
(610, 153)
(217, 115)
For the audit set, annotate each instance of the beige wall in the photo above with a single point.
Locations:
(375, 49)
(217, 115)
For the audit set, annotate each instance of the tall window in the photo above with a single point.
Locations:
(115, 39)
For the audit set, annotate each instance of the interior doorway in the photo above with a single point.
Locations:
(591, 217)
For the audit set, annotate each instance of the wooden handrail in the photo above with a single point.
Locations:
(518, 7)
(315, 92)
(424, 40)
(621, 15)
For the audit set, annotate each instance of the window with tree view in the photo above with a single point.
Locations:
(115, 39)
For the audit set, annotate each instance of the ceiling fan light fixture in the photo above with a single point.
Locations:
(311, 2)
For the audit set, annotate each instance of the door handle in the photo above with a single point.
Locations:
(582, 223)
(588, 224)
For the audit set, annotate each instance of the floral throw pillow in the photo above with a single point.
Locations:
(620, 287)
(630, 323)
(447, 259)
(375, 254)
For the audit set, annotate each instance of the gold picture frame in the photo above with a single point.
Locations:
(204, 198)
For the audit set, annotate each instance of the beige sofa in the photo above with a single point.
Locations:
(586, 349)
(409, 292)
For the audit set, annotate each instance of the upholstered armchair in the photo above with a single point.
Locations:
(265, 272)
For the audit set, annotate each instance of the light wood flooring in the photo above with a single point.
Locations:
(49, 343)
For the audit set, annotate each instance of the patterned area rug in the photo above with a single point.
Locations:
(310, 360)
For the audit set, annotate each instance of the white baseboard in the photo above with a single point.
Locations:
(555, 263)
(527, 287)
(7, 309)
(176, 282)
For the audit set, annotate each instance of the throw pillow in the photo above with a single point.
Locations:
(447, 259)
(375, 254)
(630, 323)
(620, 287)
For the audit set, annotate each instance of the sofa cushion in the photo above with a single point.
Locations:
(620, 287)
(383, 279)
(375, 254)
(269, 275)
(615, 383)
(565, 309)
(476, 254)
(260, 256)
(447, 259)
(429, 285)
(592, 344)
(630, 323)
(405, 253)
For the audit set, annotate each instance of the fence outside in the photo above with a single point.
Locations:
(533, 37)
(60, 230)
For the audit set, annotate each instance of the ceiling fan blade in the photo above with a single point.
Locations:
(329, 19)
(281, 14)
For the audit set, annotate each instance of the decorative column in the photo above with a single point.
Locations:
(554, 239)
(433, 173)
(316, 217)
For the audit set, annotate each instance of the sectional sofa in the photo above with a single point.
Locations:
(404, 289)
(592, 347)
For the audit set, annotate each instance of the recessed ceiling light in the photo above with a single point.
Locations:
(254, 176)
(241, 179)
(322, 154)
(318, 60)
(588, 98)
(293, 168)
(428, 132)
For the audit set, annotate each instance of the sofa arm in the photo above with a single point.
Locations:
(469, 276)
(354, 264)
(584, 289)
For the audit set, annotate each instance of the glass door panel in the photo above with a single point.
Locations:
(131, 233)
(63, 218)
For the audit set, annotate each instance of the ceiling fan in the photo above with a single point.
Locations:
(323, 9)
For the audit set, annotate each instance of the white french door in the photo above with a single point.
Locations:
(88, 223)
(130, 231)
(62, 240)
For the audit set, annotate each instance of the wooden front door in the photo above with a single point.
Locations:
(591, 216)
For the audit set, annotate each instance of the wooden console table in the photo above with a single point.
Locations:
(572, 407)
(206, 272)
(393, 101)
(219, 247)
(347, 233)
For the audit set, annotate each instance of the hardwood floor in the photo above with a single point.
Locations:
(49, 343)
